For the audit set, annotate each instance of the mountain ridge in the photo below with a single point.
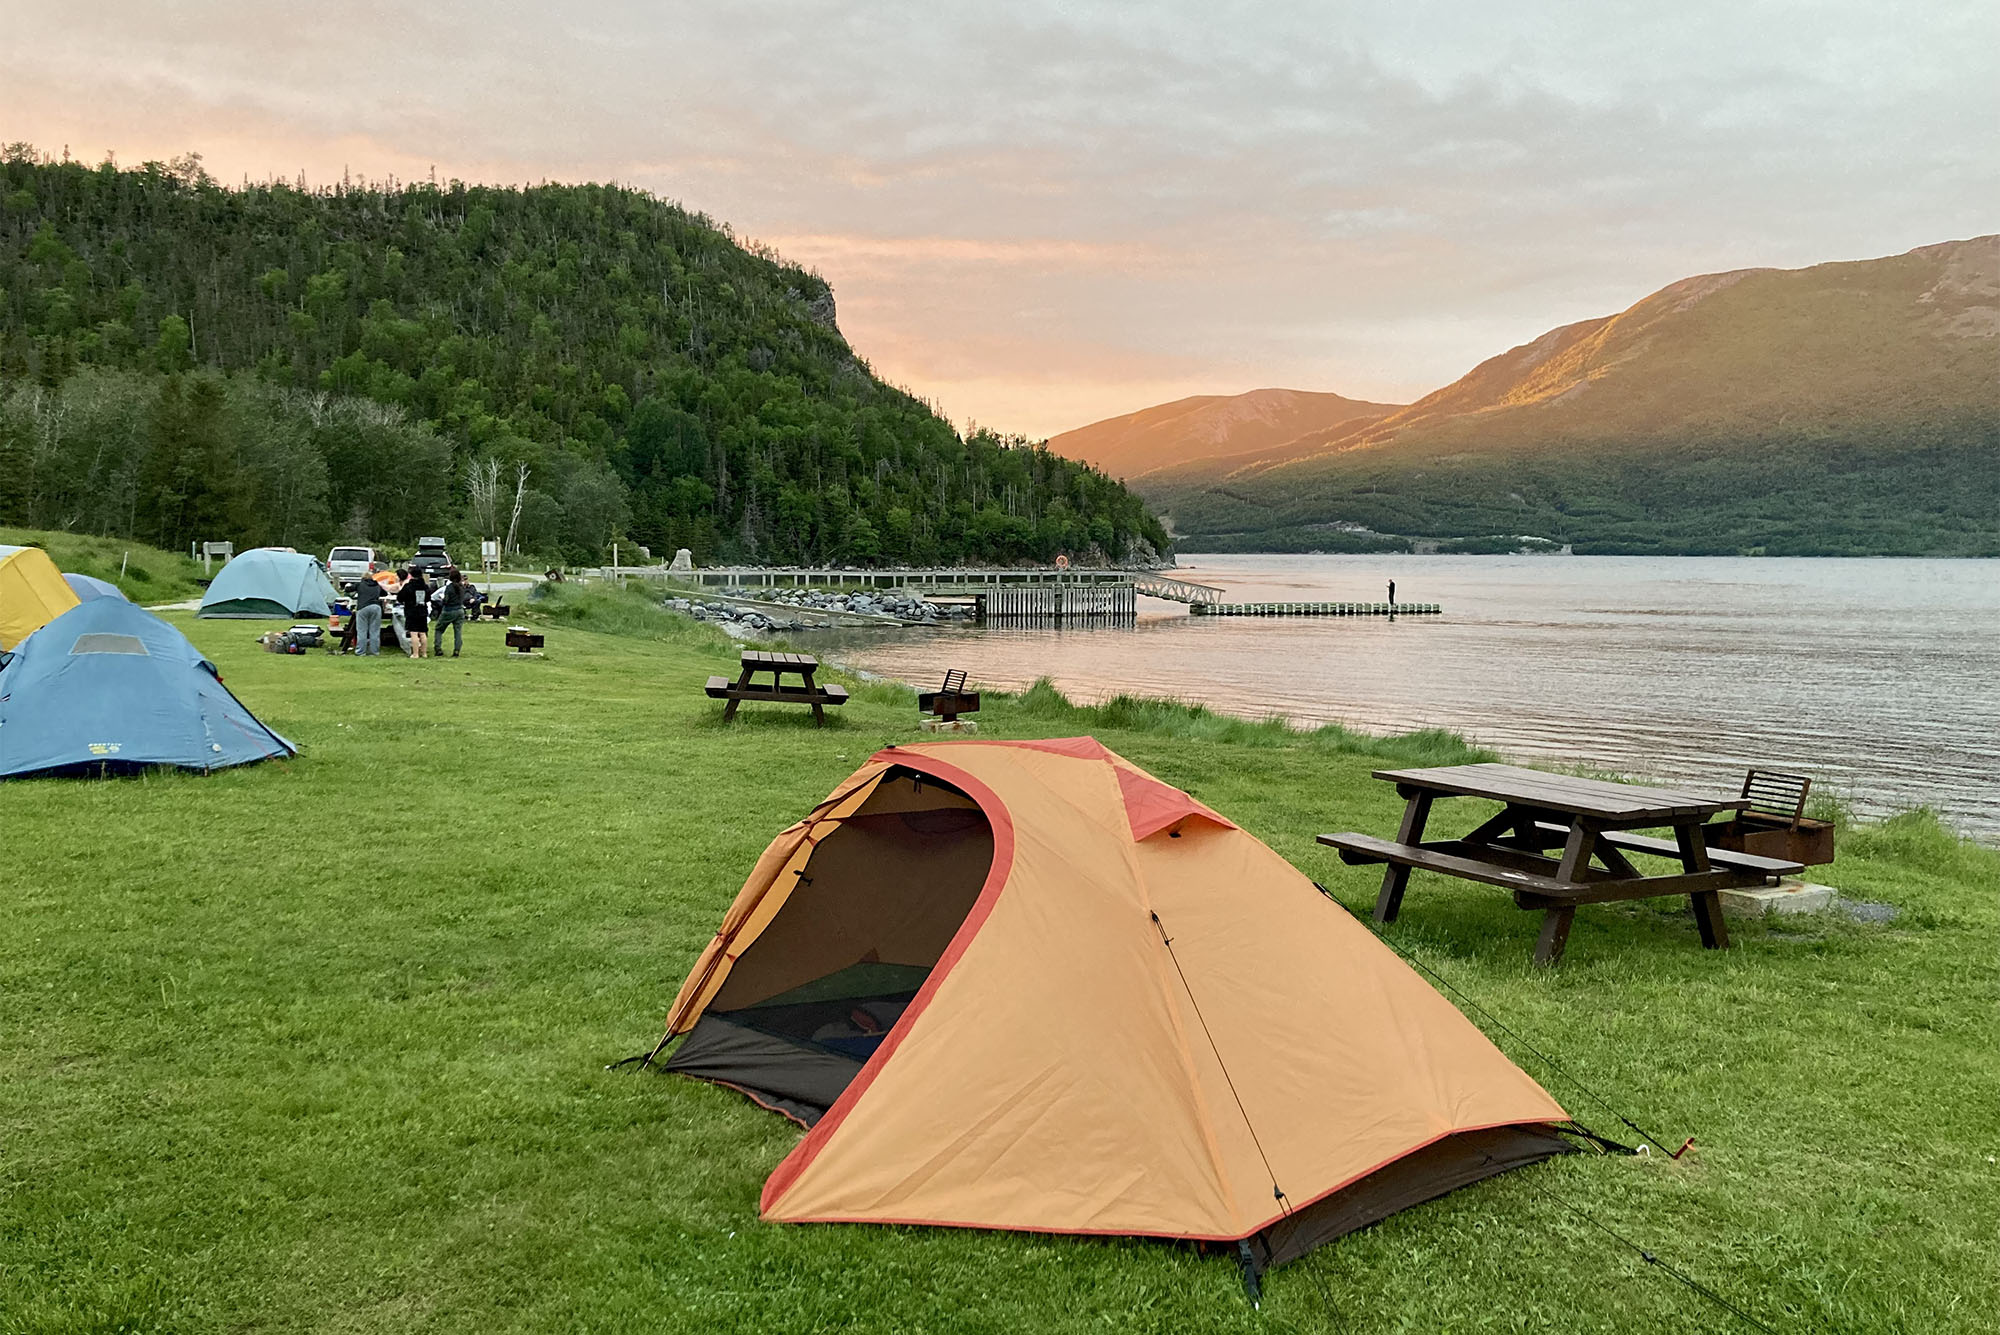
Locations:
(1134, 444)
(1585, 434)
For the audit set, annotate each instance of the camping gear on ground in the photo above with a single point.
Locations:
(269, 582)
(108, 687)
(32, 593)
(296, 640)
(86, 587)
(522, 640)
(1027, 985)
(1775, 824)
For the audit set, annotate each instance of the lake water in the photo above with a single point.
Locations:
(1880, 678)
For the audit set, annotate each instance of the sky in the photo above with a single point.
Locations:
(1038, 215)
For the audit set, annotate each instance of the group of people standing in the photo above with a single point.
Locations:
(412, 601)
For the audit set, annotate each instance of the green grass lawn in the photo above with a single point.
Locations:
(145, 574)
(321, 1044)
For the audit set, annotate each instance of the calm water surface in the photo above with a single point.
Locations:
(1880, 678)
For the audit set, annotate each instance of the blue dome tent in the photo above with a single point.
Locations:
(107, 687)
(86, 587)
(268, 582)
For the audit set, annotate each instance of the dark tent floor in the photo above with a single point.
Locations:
(795, 1052)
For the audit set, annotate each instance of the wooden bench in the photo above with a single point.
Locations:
(1362, 849)
(1667, 848)
(949, 700)
(722, 688)
(777, 691)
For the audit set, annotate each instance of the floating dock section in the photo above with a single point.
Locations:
(1313, 609)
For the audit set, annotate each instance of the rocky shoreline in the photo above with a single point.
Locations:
(816, 609)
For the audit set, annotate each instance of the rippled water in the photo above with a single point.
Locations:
(1881, 678)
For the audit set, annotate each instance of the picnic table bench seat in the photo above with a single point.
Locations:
(1667, 848)
(1535, 888)
(1362, 849)
(722, 688)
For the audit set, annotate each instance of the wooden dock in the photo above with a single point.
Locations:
(1059, 605)
(1035, 597)
(1313, 609)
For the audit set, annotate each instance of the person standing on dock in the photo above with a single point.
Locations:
(1392, 593)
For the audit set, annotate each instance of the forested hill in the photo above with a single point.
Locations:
(278, 364)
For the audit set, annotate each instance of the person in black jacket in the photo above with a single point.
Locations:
(451, 603)
(415, 597)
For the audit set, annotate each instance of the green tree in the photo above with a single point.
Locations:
(172, 350)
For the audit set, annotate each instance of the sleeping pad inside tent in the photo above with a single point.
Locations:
(1027, 985)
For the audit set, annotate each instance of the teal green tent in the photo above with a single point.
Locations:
(270, 582)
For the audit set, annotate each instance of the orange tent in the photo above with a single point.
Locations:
(1027, 985)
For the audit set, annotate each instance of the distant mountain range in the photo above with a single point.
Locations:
(1849, 408)
(1210, 428)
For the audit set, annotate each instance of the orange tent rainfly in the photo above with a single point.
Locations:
(1026, 985)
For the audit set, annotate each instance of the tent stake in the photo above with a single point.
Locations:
(1252, 1279)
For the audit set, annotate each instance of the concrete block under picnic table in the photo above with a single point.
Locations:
(1786, 897)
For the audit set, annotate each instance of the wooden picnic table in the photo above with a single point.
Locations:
(779, 666)
(1589, 820)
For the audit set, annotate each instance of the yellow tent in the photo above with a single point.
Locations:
(32, 593)
(1027, 985)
